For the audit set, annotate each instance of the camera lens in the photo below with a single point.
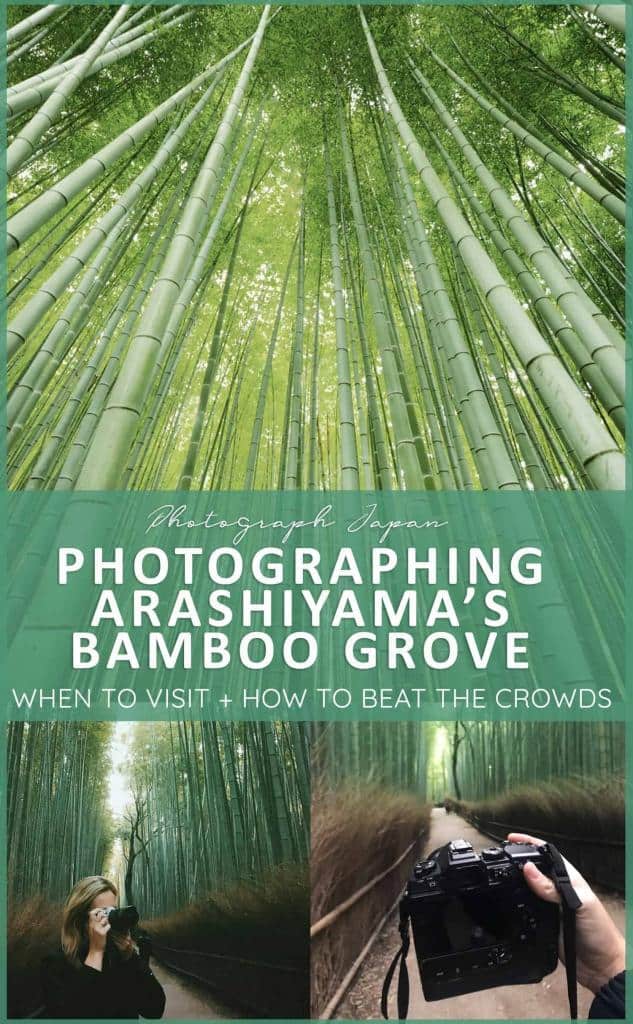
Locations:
(122, 919)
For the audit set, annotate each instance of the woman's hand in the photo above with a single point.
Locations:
(600, 946)
(98, 928)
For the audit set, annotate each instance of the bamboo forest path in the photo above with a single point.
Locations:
(548, 999)
(187, 999)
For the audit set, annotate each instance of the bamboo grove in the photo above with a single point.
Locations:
(59, 826)
(392, 755)
(485, 759)
(209, 804)
(479, 759)
(315, 248)
(213, 803)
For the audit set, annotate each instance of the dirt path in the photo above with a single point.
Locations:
(188, 1000)
(546, 1000)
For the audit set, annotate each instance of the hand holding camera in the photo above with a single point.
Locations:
(101, 920)
(476, 924)
(600, 947)
(496, 918)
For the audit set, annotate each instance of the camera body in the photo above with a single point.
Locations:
(475, 922)
(122, 919)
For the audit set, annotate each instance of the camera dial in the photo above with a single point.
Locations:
(423, 868)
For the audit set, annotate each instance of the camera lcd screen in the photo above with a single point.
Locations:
(466, 921)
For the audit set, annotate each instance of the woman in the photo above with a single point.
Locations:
(98, 974)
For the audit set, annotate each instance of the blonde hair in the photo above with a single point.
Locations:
(75, 920)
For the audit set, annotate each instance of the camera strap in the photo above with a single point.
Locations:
(403, 975)
(570, 903)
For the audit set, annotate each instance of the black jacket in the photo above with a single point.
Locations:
(124, 989)
(609, 1001)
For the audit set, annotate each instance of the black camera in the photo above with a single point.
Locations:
(475, 922)
(122, 919)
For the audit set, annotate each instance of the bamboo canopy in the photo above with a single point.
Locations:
(327, 248)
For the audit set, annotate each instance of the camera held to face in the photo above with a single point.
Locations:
(475, 922)
(122, 919)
